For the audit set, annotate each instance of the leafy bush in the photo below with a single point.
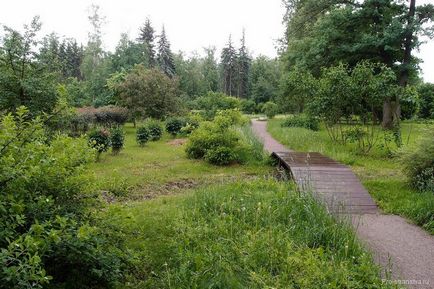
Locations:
(106, 116)
(117, 139)
(303, 121)
(45, 239)
(192, 123)
(215, 101)
(419, 163)
(174, 125)
(155, 129)
(218, 142)
(99, 140)
(248, 106)
(142, 135)
(111, 115)
(220, 156)
(270, 109)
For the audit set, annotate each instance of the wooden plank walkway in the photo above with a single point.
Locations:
(332, 182)
(403, 248)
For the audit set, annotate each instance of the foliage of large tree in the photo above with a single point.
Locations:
(24, 80)
(129, 53)
(264, 79)
(325, 32)
(149, 93)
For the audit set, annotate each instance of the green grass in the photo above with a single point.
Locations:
(160, 168)
(378, 171)
(248, 234)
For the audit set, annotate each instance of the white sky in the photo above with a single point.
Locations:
(190, 24)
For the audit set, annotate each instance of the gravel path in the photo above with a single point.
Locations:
(403, 248)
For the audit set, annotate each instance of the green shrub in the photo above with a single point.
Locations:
(218, 142)
(221, 156)
(117, 138)
(215, 101)
(99, 140)
(174, 125)
(143, 135)
(248, 106)
(155, 129)
(45, 239)
(303, 121)
(270, 109)
(419, 163)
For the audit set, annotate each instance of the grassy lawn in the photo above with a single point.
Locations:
(380, 173)
(231, 227)
(246, 234)
(161, 168)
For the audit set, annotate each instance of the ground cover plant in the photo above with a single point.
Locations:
(249, 234)
(380, 171)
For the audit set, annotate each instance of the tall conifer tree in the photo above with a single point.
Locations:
(147, 37)
(229, 68)
(243, 66)
(165, 56)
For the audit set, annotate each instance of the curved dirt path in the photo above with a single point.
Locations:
(403, 248)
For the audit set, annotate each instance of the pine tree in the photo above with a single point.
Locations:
(229, 68)
(147, 37)
(165, 56)
(243, 65)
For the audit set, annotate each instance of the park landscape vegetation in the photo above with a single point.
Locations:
(138, 168)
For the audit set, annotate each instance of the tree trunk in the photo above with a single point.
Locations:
(392, 109)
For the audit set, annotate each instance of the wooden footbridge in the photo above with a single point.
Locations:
(333, 183)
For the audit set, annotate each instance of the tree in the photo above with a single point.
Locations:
(210, 70)
(229, 69)
(324, 33)
(426, 94)
(146, 36)
(243, 66)
(149, 93)
(298, 87)
(23, 80)
(128, 54)
(264, 79)
(165, 56)
(93, 52)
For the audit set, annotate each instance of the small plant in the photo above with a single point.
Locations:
(143, 135)
(99, 140)
(303, 121)
(155, 129)
(117, 139)
(270, 109)
(174, 125)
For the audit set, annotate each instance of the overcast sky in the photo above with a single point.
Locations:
(190, 24)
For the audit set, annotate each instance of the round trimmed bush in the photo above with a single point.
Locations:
(155, 130)
(270, 109)
(117, 139)
(174, 125)
(99, 140)
(142, 135)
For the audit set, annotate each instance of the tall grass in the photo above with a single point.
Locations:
(255, 152)
(257, 234)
